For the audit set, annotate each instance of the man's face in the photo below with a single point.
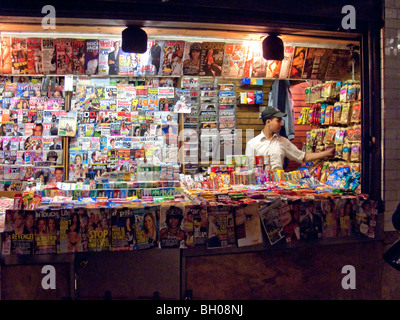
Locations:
(59, 175)
(116, 45)
(275, 124)
(37, 131)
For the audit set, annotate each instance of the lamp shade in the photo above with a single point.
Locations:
(272, 48)
(134, 40)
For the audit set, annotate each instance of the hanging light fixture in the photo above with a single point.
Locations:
(134, 40)
(273, 47)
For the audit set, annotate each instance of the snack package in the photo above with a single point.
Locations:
(337, 112)
(355, 155)
(356, 113)
(346, 151)
(330, 136)
(345, 114)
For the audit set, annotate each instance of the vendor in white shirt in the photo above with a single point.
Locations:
(269, 142)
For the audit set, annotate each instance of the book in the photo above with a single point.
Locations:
(270, 220)
(248, 225)
(46, 231)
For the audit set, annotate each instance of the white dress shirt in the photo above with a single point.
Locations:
(277, 148)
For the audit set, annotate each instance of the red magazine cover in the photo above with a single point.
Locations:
(6, 61)
(19, 55)
(64, 53)
(35, 56)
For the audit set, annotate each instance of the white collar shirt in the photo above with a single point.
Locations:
(277, 148)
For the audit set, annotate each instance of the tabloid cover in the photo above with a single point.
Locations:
(21, 235)
(270, 219)
(199, 225)
(248, 225)
(46, 231)
(123, 235)
(171, 233)
(311, 224)
(221, 227)
(146, 223)
(73, 230)
(99, 231)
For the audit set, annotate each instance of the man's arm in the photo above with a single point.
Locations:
(312, 156)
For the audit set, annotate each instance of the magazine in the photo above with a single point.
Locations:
(123, 235)
(211, 59)
(146, 224)
(172, 58)
(270, 219)
(91, 57)
(35, 60)
(46, 231)
(49, 55)
(248, 225)
(234, 59)
(67, 125)
(220, 227)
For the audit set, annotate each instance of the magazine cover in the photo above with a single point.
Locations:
(64, 52)
(221, 227)
(172, 58)
(271, 222)
(22, 235)
(234, 59)
(259, 64)
(286, 62)
(273, 68)
(78, 56)
(105, 47)
(189, 214)
(35, 60)
(6, 59)
(141, 64)
(298, 62)
(123, 235)
(211, 59)
(156, 54)
(330, 218)
(146, 224)
(311, 224)
(67, 125)
(248, 225)
(171, 233)
(99, 231)
(347, 209)
(49, 56)
(124, 61)
(290, 219)
(73, 230)
(19, 55)
(46, 231)
(191, 58)
(91, 57)
(199, 225)
(339, 67)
